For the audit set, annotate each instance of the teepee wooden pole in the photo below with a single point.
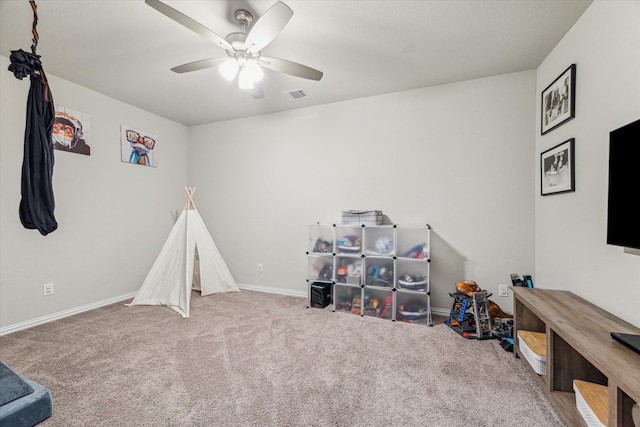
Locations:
(190, 203)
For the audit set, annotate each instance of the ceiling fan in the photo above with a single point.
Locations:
(244, 50)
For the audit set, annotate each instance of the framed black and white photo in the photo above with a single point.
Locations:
(559, 101)
(557, 169)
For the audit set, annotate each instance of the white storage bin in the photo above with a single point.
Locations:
(348, 269)
(377, 303)
(362, 217)
(412, 274)
(413, 308)
(379, 240)
(320, 239)
(347, 299)
(592, 401)
(348, 240)
(535, 350)
(320, 268)
(413, 242)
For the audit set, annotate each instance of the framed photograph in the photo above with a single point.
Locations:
(559, 101)
(557, 169)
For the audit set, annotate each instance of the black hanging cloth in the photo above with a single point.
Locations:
(37, 204)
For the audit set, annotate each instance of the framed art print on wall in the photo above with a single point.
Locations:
(557, 169)
(558, 101)
(138, 146)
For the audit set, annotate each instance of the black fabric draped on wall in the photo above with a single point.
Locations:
(37, 203)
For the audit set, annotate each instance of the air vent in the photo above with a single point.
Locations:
(295, 95)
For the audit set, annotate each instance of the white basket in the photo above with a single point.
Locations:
(362, 217)
(585, 410)
(537, 362)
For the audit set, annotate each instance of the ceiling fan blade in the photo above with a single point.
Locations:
(291, 68)
(198, 65)
(267, 27)
(191, 24)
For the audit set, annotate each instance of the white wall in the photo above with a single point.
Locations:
(457, 157)
(113, 217)
(462, 157)
(571, 251)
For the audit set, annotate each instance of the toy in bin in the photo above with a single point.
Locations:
(352, 268)
(412, 283)
(344, 299)
(376, 276)
(384, 245)
(323, 246)
(413, 312)
(372, 306)
(415, 252)
(349, 244)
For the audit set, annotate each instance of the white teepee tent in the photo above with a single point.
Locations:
(172, 276)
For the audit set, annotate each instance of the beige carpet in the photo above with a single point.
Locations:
(257, 359)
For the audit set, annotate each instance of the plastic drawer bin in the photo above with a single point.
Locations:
(348, 240)
(379, 240)
(413, 242)
(378, 303)
(320, 239)
(413, 307)
(347, 299)
(412, 275)
(320, 267)
(378, 272)
(533, 346)
(348, 269)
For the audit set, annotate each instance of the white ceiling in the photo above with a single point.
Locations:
(125, 49)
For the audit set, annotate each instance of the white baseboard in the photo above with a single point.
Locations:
(62, 314)
(77, 310)
(440, 311)
(269, 290)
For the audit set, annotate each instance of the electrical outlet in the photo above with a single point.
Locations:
(502, 290)
(259, 268)
(48, 289)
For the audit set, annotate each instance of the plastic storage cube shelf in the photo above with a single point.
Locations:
(379, 271)
(537, 358)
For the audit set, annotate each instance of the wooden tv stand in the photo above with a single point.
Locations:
(579, 346)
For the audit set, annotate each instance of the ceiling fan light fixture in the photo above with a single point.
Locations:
(255, 70)
(229, 68)
(245, 80)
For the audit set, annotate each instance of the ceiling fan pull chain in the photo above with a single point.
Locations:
(34, 45)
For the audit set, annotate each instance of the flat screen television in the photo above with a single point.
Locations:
(623, 214)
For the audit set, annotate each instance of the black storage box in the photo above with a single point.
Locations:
(320, 294)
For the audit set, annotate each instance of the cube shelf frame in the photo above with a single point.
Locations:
(379, 271)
